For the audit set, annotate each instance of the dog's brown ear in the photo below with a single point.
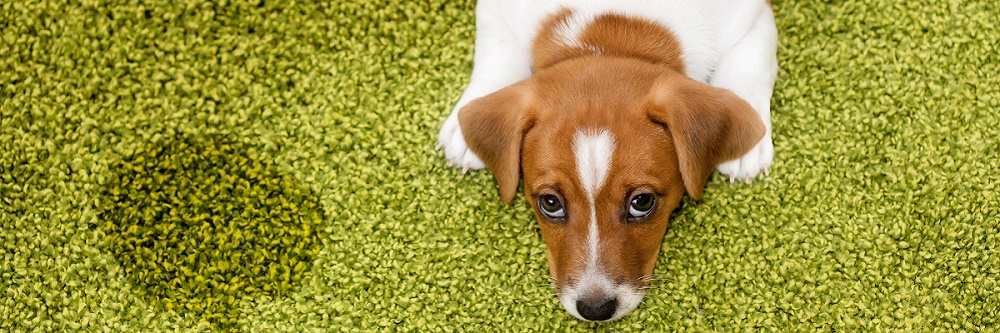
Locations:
(708, 126)
(493, 127)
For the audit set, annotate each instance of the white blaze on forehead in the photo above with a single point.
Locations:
(593, 150)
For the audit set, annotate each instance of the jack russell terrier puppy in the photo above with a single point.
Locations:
(611, 110)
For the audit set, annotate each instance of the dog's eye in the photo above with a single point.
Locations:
(551, 206)
(641, 206)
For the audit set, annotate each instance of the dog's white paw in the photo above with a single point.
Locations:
(455, 149)
(752, 163)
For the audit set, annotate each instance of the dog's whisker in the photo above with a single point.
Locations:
(536, 278)
(658, 278)
(649, 280)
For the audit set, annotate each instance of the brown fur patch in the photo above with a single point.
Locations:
(611, 35)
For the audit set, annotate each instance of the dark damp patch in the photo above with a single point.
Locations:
(201, 223)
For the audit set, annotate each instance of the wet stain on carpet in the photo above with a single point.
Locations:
(200, 223)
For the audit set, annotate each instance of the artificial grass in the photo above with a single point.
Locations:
(880, 214)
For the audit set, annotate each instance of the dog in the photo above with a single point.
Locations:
(611, 111)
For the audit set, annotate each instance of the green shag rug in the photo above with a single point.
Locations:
(269, 166)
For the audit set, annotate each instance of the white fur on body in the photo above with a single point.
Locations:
(726, 43)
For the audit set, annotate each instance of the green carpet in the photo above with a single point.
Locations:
(269, 166)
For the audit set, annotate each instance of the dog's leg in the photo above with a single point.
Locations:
(499, 61)
(749, 70)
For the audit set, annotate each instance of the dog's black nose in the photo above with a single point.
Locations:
(598, 309)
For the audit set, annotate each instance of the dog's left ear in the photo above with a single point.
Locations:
(494, 127)
(708, 125)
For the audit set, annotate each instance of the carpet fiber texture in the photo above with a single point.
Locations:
(269, 166)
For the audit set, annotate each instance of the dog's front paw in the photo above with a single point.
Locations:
(752, 163)
(455, 149)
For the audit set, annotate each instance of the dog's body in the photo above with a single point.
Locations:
(612, 110)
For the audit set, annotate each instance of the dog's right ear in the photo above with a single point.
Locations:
(494, 127)
(708, 126)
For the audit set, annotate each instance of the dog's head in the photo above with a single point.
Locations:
(607, 147)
